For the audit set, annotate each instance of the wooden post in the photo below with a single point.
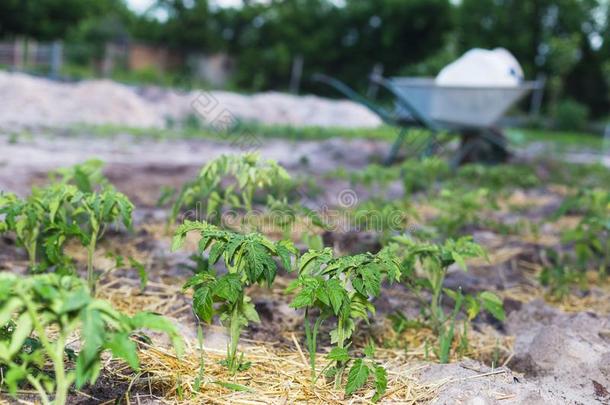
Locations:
(56, 58)
(297, 73)
(373, 86)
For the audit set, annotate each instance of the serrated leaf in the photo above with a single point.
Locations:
(203, 304)
(492, 304)
(338, 354)
(459, 260)
(357, 376)
(228, 287)
(23, 328)
(381, 383)
(123, 347)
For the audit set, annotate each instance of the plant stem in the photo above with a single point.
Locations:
(340, 344)
(234, 330)
(61, 380)
(32, 255)
(44, 398)
(311, 336)
(90, 253)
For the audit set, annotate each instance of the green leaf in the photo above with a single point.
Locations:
(217, 250)
(369, 351)
(93, 334)
(142, 273)
(337, 295)
(23, 328)
(233, 386)
(249, 311)
(13, 376)
(203, 304)
(381, 383)
(228, 287)
(357, 376)
(123, 347)
(338, 354)
(159, 323)
(492, 304)
(459, 260)
(473, 307)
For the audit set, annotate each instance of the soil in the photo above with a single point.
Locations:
(557, 357)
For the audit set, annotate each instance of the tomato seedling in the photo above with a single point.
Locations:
(434, 260)
(249, 260)
(228, 182)
(339, 287)
(30, 306)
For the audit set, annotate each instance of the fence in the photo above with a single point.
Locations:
(22, 54)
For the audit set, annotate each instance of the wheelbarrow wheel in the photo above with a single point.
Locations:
(488, 148)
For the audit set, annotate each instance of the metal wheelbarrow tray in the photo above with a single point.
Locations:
(469, 111)
(458, 107)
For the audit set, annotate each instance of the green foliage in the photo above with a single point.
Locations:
(91, 214)
(459, 208)
(40, 224)
(32, 305)
(594, 175)
(284, 215)
(571, 115)
(420, 175)
(433, 260)
(87, 176)
(249, 260)
(360, 372)
(591, 236)
(558, 276)
(497, 178)
(228, 182)
(46, 219)
(375, 177)
(386, 217)
(323, 288)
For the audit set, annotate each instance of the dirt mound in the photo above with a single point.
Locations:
(570, 353)
(32, 102)
(473, 383)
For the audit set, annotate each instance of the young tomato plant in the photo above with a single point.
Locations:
(249, 260)
(39, 224)
(286, 216)
(228, 182)
(87, 176)
(341, 288)
(591, 236)
(91, 214)
(31, 306)
(459, 208)
(434, 261)
(420, 174)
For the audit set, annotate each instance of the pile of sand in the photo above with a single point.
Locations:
(31, 102)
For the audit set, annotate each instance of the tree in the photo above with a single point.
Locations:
(49, 19)
(546, 36)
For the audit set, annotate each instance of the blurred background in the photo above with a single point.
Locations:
(252, 46)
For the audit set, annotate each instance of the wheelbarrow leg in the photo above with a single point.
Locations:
(396, 147)
(483, 146)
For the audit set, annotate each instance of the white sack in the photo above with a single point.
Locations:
(482, 68)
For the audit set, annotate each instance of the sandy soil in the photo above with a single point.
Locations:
(557, 357)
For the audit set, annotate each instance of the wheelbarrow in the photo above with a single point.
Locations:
(471, 112)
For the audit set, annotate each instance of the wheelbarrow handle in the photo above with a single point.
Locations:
(418, 116)
(354, 96)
